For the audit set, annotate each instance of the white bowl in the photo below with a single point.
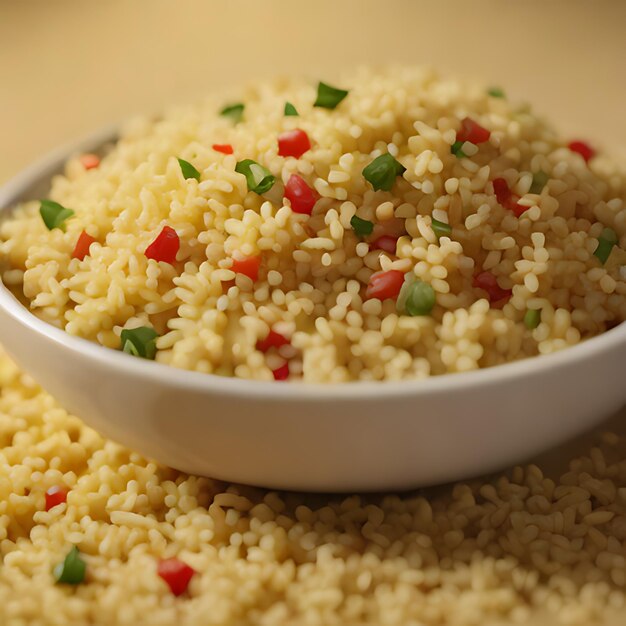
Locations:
(354, 436)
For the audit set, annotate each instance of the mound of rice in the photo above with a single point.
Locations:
(519, 548)
(314, 272)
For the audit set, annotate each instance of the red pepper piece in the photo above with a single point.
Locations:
(516, 207)
(224, 148)
(54, 496)
(89, 161)
(488, 282)
(282, 372)
(502, 191)
(273, 340)
(293, 143)
(165, 246)
(176, 574)
(248, 266)
(300, 195)
(582, 148)
(81, 249)
(383, 285)
(473, 132)
(386, 243)
(506, 198)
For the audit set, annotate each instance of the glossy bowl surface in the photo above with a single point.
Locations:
(355, 436)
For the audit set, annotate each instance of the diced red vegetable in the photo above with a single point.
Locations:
(472, 131)
(225, 148)
(89, 161)
(293, 143)
(55, 495)
(488, 282)
(300, 195)
(517, 208)
(386, 243)
(273, 340)
(582, 148)
(81, 249)
(385, 285)
(248, 266)
(506, 198)
(176, 574)
(502, 191)
(165, 247)
(282, 372)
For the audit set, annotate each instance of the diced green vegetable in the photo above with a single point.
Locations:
(496, 92)
(290, 109)
(258, 178)
(421, 299)
(233, 111)
(456, 149)
(54, 214)
(361, 227)
(329, 97)
(381, 173)
(441, 228)
(606, 241)
(409, 279)
(140, 342)
(72, 570)
(415, 298)
(532, 318)
(188, 170)
(540, 179)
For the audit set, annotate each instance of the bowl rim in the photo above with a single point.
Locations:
(10, 194)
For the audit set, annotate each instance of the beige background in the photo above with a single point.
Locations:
(70, 66)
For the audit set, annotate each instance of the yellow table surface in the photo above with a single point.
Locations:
(68, 67)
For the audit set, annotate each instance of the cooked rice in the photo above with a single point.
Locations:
(315, 269)
(518, 548)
